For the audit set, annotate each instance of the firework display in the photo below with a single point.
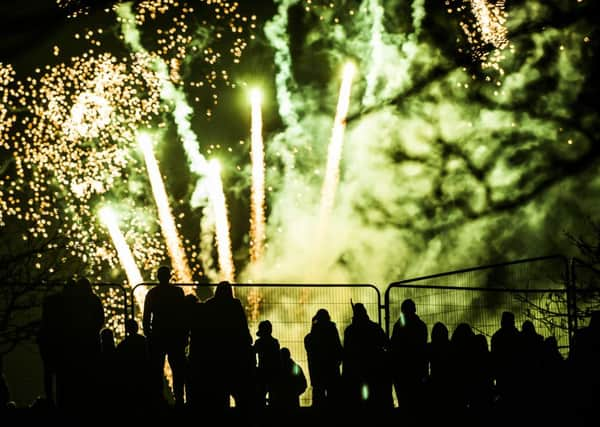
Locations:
(454, 120)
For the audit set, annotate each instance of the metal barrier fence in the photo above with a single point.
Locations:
(533, 289)
(586, 291)
(290, 308)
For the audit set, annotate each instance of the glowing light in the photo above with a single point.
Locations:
(257, 201)
(111, 222)
(491, 19)
(486, 27)
(221, 220)
(364, 392)
(167, 222)
(334, 153)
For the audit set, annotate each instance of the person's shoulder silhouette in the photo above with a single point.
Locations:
(164, 308)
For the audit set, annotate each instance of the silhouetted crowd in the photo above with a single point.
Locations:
(212, 359)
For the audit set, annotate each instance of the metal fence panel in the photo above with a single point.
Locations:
(290, 308)
(533, 289)
(586, 286)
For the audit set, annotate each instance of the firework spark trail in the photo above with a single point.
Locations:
(217, 198)
(257, 202)
(491, 19)
(174, 246)
(110, 221)
(334, 153)
(197, 162)
(390, 57)
(375, 10)
(277, 33)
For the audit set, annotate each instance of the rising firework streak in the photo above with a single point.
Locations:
(219, 209)
(110, 221)
(334, 153)
(257, 202)
(167, 223)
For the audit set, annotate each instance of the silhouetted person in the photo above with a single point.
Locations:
(324, 353)
(365, 366)
(409, 356)
(133, 362)
(506, 358)
(584, 360)
(554, 375)
(463, 358)
(267, 352)
(190, 304)
(50, 342)
(532, 346)
(4, 390)
(288, 385)
(164, 328)
(440, 367)
(231, 358)
(199, 391)
(481, 392)
(108, 368)
(82, 319)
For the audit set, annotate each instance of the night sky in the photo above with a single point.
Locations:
(471, 136)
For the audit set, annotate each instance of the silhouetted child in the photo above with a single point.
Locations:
(288, 385)
(133, 363)
(108, 368)
(267, 352)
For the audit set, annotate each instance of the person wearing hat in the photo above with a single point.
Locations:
(267, 351)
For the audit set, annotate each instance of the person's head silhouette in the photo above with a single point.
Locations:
(408, 307)
(321, 316)
(439, 333)
(265, 329)
(83, 284)
(508, 320)
(163, 274)
(528, 328)
(224, 290)
(360, 312)
(285, 354)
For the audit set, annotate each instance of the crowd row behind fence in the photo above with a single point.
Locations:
(555, 293)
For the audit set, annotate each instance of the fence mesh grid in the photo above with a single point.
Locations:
(290, 309)
(587, 291)
(533, 290)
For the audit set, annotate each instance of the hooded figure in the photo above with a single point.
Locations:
(324, 353)
(365, 372)
(267, 351)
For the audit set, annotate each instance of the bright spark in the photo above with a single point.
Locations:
(219, 209)
(174, 246)
(134, 277)
(257, 201)
(334, 153)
